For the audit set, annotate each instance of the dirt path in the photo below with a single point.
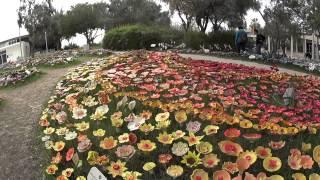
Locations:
(20, 154)
(247, 63)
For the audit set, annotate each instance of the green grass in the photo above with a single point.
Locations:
(24, 82)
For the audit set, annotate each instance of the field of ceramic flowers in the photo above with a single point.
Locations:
(147, 115)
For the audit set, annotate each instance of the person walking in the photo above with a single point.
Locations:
(259, 41)
(241, 40)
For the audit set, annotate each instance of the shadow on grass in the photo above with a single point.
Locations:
(24, 82)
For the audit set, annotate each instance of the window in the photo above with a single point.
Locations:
(3, 57)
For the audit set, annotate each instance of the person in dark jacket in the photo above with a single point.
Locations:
(259, 41)
(241, 40)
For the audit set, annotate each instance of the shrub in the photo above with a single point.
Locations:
(221, 38)
(195, 40)
(131, 37)
(71, 46)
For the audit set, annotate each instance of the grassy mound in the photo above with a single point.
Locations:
(146, 115)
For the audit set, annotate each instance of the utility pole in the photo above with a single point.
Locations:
(45, 34)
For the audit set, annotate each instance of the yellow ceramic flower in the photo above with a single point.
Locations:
(163, 124)
(52, 169)
(181, 116)
(299, 176)
(82, 126)
(165, 138)
(199, 174)
(246, 124)
(81, 178)
(108, 143)
(62, 131)
(175, 171)
(162, 116)
(275, 177)
(191, 159)
(67, 172)
(211, 129)
(314, 176)
(272, 164)
(192, 139)
(146, 145)
(146, 128)
(263, 152)
(178, 134)
(131, 175)
(149, 166)
(316, 154)
(250, 156)
(204, 148)
(117, 168)
(124, 138)
(306, 147)
(49, 130)
(58, 146)
(99, 133)
(117, 122)
(210, 160)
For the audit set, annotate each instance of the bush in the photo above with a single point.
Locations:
(71, 46)
(132, 37)
(221, 38)
(195, 40)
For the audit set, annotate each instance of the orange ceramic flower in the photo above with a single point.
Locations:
(192, 139)
(232, 133)
(242, 164)
(210, 160)
(230, 167)
(199, 174)
(146, 145)
(221, 175)
(277, 145)
(117, 168)
(165, 158)
(108, 143)
(272, 164)
(230, 148)
(58, 146)
(252, 136)
(263, 152)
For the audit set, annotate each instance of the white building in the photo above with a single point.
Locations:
(10, 50)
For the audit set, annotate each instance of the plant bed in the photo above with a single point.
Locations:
(146, 115)
(19, 77)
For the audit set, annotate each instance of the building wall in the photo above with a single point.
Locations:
(13, 51)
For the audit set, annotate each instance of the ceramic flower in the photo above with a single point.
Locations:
(49, 130)
(116, 168)
(70, 136)
(180, 148)
(108, 143)
(62, 131)
(79, 113)
(99, 133)
(250, 156)
(125, 151)
(199, 174)
(178, 134)
(162, 117)
(149, 166)
(272, 164)
(145, 114)
(314, 176)
(84, 145)
(146, 146)
(146, 128)
(246, 124)
(131, 175)
(67, 172)
(230, 167)
(164, 158)
(299, 176)
(58, 146)
(204, 148)
(123, 138)
(100, 113)
(56, 159)
(165, 138)
(221, 175)
(242, 164)
(232, 133)
(174, 171)
(83, 126)
(180, 116)
(52, 169)
(277, 145)
(191, 159)
(211, 129)
(210, 160)
(193, 126)
(192, 139)
(305, 147)
(263, 152)
(230, 148)
(316, 154)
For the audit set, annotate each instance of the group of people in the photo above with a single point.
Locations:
(241, 40)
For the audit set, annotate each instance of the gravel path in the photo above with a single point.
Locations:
(20, 154)
(247, 63)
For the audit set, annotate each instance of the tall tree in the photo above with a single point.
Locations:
(84, 19)
(122, 12)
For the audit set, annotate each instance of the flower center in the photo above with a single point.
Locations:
(116, 167)
(191, 161)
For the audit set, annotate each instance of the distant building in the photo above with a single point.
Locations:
(10, 49)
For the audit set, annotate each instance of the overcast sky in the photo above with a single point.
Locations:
(9, 27)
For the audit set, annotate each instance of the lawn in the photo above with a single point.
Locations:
(146, 115)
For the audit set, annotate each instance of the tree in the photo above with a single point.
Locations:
(84, 19)
(38, 19)
(146, 12)
(255, 24)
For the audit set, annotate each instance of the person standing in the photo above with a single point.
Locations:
(241, 40)
(259, 41)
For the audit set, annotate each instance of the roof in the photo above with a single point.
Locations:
(22, 37)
